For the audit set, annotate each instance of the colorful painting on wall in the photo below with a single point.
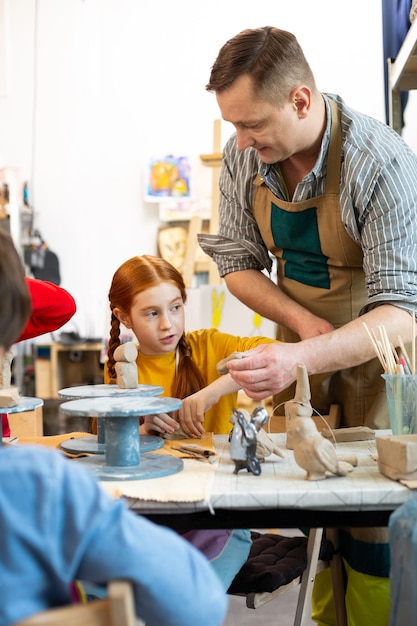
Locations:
(168, 177)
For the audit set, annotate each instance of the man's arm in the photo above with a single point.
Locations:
(268, 369)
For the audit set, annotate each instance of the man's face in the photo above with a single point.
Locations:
(270, 130)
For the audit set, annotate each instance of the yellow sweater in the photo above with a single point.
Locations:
(208, 346)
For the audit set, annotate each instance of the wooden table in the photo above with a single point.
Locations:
(281, 497)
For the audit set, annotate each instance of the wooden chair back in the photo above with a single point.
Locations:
(117, 609)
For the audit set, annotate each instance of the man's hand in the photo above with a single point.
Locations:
(310, 326)
(265, 370)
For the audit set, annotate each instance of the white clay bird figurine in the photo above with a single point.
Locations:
(315, 454)
(300, 406)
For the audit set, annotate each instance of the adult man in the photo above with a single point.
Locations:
(58, 526)
(332, 194)
(335, 201)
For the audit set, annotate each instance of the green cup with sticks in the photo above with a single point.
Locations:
(401, 392)
(400, 379)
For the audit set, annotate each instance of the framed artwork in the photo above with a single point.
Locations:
(168, 177)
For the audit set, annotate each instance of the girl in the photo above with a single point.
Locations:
(147, 295)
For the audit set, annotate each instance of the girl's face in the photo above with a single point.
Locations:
(156, 318)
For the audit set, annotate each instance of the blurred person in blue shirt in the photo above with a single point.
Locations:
(58, 526)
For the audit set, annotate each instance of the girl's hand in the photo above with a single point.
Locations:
(160, 423)
(191, 414)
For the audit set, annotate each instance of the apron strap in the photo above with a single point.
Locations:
(334, 157)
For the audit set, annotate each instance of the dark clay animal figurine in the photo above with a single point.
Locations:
(243, 440)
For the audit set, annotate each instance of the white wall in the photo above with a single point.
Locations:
(95, 87)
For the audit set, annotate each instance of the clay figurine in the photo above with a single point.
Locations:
(265, 446)
(125, 356)
(9, 395)
(243, 440)
(316, 454)
(312, 451)
(300, 406)
(221, 365)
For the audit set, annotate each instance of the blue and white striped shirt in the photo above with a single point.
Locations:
(378, 198)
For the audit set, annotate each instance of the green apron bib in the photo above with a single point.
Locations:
(321, 267)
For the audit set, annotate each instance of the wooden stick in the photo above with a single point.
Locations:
(387, 349)
(375, 345)
(404, 352)
(395, 354)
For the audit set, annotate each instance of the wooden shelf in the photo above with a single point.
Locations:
(211, 160)
(58, 367)
(402, 75)
(26, 424)
(404, 67)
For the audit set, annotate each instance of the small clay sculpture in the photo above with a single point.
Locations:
(312, 451)
(125, 356)
(316, 454)
(9, 395)
(243, 440)
(300, 406)
(265, 446)
(221, 365)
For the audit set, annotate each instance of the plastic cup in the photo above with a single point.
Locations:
(401, 392)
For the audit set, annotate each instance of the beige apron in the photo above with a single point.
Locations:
(321, 267)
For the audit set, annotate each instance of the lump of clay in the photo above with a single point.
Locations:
(125, 356)
(9, 395)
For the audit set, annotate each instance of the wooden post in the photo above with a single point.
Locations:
(214, 161)
(189, 267)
